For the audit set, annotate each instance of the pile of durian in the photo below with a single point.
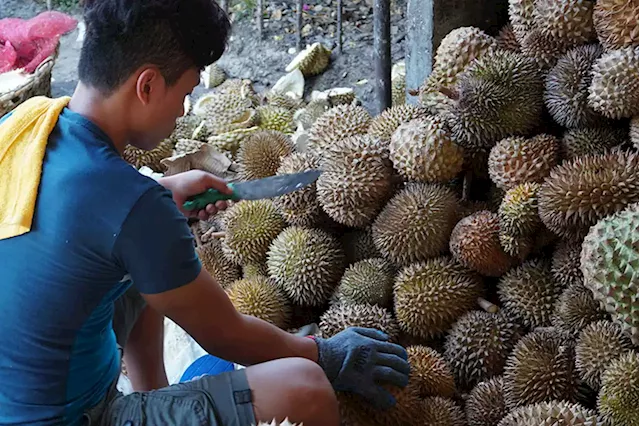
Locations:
(491, 229)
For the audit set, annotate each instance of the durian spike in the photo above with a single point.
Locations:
(488, 306)
(211, 233)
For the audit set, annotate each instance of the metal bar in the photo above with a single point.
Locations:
(382, 53)
(339, 27)
(419, 44)
(259, 10)
(49, 4)
(299, 25)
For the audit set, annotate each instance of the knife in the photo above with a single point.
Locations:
(257, 189)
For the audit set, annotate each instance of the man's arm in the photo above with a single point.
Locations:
(203, 310)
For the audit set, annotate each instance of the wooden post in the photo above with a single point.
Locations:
(299, 25)
(339, 26)
(259, 10)
(382, 53)
(419, 44)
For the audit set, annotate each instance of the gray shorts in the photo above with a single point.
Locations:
(221, 400)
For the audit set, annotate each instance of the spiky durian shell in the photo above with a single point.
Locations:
(475, 243)
(507, 39)
(422, 150)
(369, 281)
(356, 180)
(516, 160)
(275, 118)
(529, 291)
(221, 106)
(286, 422)
(498, 95)
(618, 397)
(565, 263)
(230, 142)
(517, 246)
(311, 61)
(590, 140)
(518, 211)
(259, 297)
(308, 115)
(251, 270)
(598, 345)
(616, 23)
(609, 263)
(251, 225)
(552, 413)
(569, 21)
(383, 126)
(439, 411)
(186, 146)
(261, 155)
(431, 372)
(282, 100)
(429, 296)
(185, 126)
(582, 191)
(301, 207)
(541, 368)
(306, 263)
(337, 123)
(613, 91)
(341, 316)
(477, 346)
(138, 157)
(485, 404)
(239, 87)
(217, 264)
(633, 131)
(567, 88)
(416, 223)
(460, 47)
(358, 245)
(575, 309)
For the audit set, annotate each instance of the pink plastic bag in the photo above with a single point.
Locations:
(50, 25)
(8, 57)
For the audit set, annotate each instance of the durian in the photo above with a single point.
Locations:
(251, 225)
(507, 39)
(283, 100)
(575, 309)
(356, 180)
(477, 346)
(217, 264)
(337, 123)
(138, 157)
(259, 297)
(616, 23)
(275, 118)
(251, 270)
(358, 245)
(590, 140)
(584, 190)
(341, 316)
(368, 281)
(552, 413)
(185, 126)
(187, 146)
(518, 211)
(422, 150)
(286, 422)
(431, 372)
(529, 291)
(307, 116)
(398, 84)
(213, 76)
(223, 107)
(618, 397)
(383, 125)
(485, 404)
(569, 21)
(341, 95)
(242, 88)
(567, 88)
(311, 61)
(438, 411)
(475, 243)
(416, 223)
(429, 296)
(517, 160)
(633, 131)
(307, 264)
(262, 153)
(540, 369)
(500, 94)
(598, 345)
(230, 142)
(614, 87)
(519, 247)
(609, 263)
(301, 207)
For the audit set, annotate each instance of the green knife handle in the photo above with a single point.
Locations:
(210, 196)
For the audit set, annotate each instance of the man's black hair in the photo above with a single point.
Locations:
(174, 35)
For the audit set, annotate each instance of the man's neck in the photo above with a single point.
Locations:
(106, 113)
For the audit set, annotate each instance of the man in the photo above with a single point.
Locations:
(107, 254)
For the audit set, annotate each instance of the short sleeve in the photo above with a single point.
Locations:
(155, 245)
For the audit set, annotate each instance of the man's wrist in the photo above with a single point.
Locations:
(313, 349)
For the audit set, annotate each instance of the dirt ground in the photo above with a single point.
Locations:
(264, 61)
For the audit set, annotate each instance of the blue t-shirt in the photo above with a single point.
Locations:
(99, 225)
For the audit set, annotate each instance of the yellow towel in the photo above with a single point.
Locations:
(23, 141)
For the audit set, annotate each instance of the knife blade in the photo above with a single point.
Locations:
(257, 189)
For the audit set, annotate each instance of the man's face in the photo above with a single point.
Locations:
(161, 108)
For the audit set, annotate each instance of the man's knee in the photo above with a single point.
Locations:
(312, 388)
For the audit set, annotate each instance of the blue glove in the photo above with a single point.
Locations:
(360, 360)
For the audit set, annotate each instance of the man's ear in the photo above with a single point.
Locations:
(147, 84)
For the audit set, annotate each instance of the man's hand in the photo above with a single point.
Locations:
(193, 182)
(360, 360)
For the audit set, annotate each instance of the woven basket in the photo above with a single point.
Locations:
(40, 85)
